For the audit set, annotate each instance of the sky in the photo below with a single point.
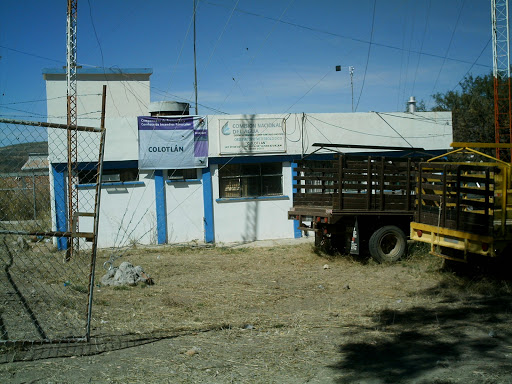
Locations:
(253, 56)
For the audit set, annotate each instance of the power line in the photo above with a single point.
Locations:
(221, 34)
(96, 34)
(309, 90)
(421, 46)
(190, 25)
(368, 133)
(368, 57)
(390, 126)
(472, 65)
(389, 46)
(31, 54)
(449, 46)
(261, 46)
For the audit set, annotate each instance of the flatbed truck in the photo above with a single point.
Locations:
(356, 204)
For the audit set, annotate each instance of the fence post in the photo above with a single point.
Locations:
(34, 194)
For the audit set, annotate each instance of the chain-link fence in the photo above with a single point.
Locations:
(49, 202)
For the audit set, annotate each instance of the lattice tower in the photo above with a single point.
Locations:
(501, 75)
(72, 133)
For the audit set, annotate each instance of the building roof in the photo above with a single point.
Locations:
(36, 161)
(100, 71)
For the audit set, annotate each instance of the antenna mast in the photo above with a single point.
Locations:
(72, 133)
(195, 65)
(501, 77)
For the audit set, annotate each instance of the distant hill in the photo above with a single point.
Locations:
(12, 157)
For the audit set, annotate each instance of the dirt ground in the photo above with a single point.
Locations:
(284, 314)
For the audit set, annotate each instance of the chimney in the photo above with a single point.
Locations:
(411, 104)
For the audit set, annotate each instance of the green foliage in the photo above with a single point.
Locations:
(472, 108)
(421, 106)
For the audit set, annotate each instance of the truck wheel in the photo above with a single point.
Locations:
(387, 244)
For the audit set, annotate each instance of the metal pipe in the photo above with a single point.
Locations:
(49, 125)
(96, 214)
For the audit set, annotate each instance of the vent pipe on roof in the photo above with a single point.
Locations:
(411, 105)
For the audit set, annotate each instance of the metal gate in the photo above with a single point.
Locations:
(47, 245)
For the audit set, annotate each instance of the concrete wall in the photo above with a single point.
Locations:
(428, 130)
(249, 219)
(128, 96)
(128, 214)
(127, 211)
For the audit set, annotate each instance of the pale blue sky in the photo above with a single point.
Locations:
(265, 56)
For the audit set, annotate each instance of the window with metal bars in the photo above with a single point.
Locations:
(250, 180)
(108, 175)
(182, 174)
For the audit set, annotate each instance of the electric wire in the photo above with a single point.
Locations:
(309, 90)
(410, 34)
(377, 44)
(449, 46)
(96, 34)
(367, 133)
(45, 100)
(319, 131)
(31, 54)
(368, 56)
(221, 34)
(416, 116)
(472, 65)
(400, 80)
(183, 46)
(139, 101)
(390, 126)
(260, 47)
(421, 46)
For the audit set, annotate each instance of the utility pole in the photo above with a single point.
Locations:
(351, 71)
(72, 133)
(195, 63)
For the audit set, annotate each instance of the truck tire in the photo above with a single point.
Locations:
(387, 244)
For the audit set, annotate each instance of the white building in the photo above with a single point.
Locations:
(225, 201)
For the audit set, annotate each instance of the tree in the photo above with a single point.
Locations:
(472, 109)
(421, 107)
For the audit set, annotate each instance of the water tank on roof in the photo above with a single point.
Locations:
(168, 108)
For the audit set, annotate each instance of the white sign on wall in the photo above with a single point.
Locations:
(239, 136)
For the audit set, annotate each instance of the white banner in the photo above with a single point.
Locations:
(239, 136)
(172, 142)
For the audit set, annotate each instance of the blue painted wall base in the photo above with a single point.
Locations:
(209, 234)
(161, 214)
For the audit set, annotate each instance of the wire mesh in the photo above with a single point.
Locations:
(44, 295)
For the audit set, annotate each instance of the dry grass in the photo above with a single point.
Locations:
(266, 287)
(276, 315)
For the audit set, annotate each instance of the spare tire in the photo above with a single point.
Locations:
(388, 244)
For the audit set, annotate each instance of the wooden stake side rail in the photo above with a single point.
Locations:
(457, 196)
(366, 184)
